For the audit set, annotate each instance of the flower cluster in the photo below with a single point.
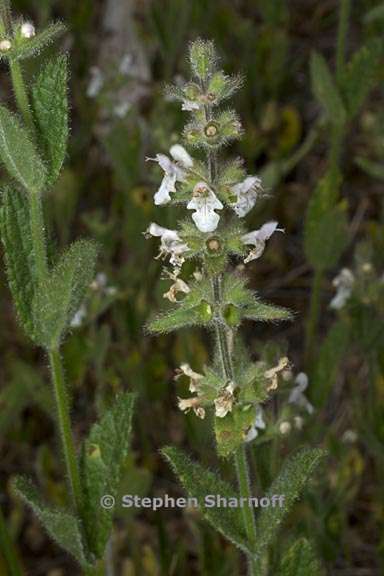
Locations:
(217, 194)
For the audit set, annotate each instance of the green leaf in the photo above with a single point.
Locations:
(325, 90)
(200, 482)
(300, 560)
(361, 75)
(27, 47)
(290, 483)
(61, 525)
(18, 154)
(326, 226)
(104, 454)
(56, 303)
(50, 104)
(262, 312)
(328, 361)
(200, 315)
(17, 242)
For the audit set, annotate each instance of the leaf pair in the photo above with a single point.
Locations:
(104, 454)
(200, 482)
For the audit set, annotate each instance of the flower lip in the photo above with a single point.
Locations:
(204, 202)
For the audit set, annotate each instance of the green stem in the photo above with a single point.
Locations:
(344, 12)
(314, 313)
(21, 94)
(38, 237)
(8, 550)
(65, 429)
(241, 463)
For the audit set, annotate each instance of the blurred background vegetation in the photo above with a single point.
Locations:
(317, 136)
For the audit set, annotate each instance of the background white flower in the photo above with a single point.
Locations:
(344, 282)
(258, 424)
(297, 393)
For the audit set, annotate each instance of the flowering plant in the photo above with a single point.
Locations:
(233, 388)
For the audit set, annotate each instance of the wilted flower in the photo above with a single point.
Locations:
(224, 402)
(273, 373)
(344, 282)
(257, 238)
(187, 404)
(246, 192)
(297, 397)
(27, 30)
(205, 202)
(173, 172)
(195, 377)
(178, 286)
(171, 243)
(258, 424)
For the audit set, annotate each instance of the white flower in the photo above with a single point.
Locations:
(171, 243)
(246, 193)
(173, 172)
(258, 424)
(257, 238)
(224, 402)
(5, 45)
(195, 377)
(78, 318)
(96, 82)
(298, 420)
(120, 110)
(344, 282)
(27, 30)
(178, 286)
(205, 202)
(273, 373)
(285, 427)
(349, 437)
(297, 397)
(126, 64)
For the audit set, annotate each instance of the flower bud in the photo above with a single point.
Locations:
(211, 130)
(205, 311)
(5, 45)
(27, 30)
(213, 245)
(232, 315)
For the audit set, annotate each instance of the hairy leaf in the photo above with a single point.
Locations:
(199, 483)
(56, 303)
(290, 483)
(18, 154)
(262, 312)
(325, 90)
(200, 315)
(61, 525)
(300, 560)
(17, 242)
(231, 430)
(104, 454)
(51, 109)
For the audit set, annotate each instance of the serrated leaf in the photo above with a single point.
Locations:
(61, 525)
(325, 90)
(50, 104)
(55, 304)
(361, 75)
(300, 560)
(104, 454)
(18, 154)
(23, 48)
(290, 483)
(17, 242)
(200, 482)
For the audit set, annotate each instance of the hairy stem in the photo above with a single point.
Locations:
(21, 94)
(7, 549)
(65, 429)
